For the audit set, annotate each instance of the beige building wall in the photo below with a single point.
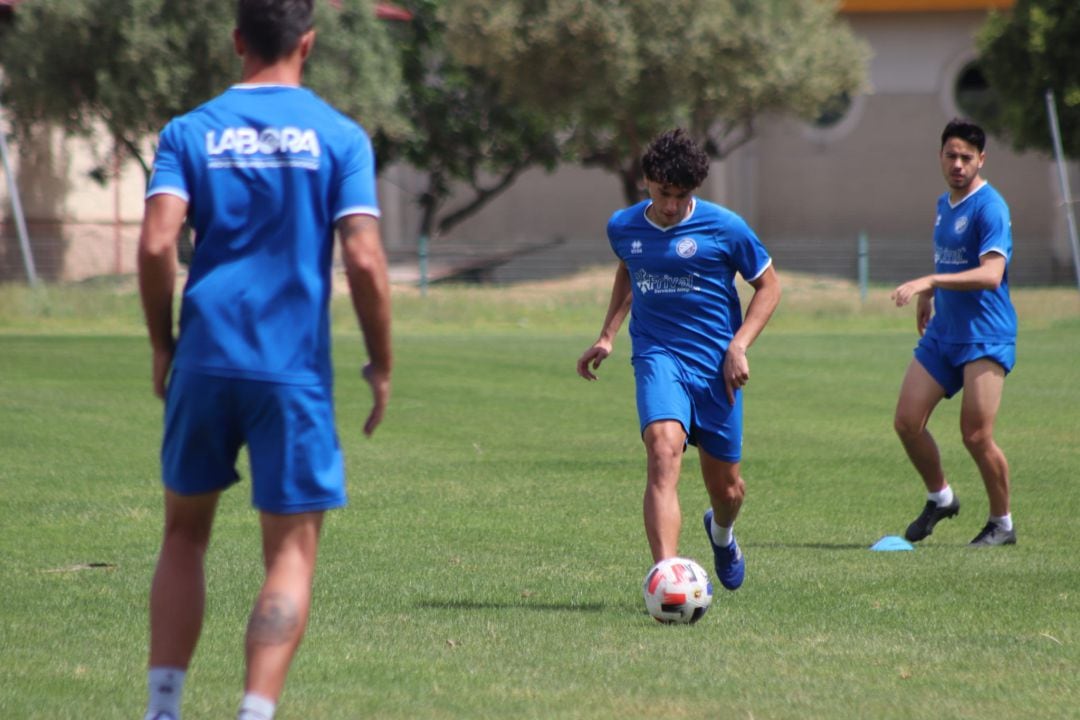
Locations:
(78, 227)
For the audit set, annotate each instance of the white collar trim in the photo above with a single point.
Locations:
(689, 214)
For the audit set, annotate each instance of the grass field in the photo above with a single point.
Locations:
(490, 561)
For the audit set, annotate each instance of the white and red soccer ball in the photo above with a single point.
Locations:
(677, 590)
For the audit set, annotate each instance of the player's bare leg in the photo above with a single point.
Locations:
(919, 395)
(725, 486)
(178, 591)
(278, 620)
(984, 381)
(665, 442)
(727, 490)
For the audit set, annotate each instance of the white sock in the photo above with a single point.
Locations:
(165, 684)
(721, 535)
(942, 497)
(1004, 522)
(256, 707)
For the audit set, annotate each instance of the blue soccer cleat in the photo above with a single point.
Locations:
(729, 562)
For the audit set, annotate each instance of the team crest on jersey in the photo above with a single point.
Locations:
(635, 247)
(686, 248)
(960, 225)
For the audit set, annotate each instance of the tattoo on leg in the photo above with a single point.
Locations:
(273, 620)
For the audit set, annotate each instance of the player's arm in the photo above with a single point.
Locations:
(369, 287)
(762, 305)
(163, 219)
(618, 308)
(987, 276)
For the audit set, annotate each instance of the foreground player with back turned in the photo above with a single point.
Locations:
(968, 328)
(264, 173)
(678, 256)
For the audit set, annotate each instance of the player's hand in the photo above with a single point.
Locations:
(903, 294)
(162, 363)
(590, 360)
(736, 370)
(379, 380)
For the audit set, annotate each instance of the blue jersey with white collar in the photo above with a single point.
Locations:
(266, 170)
(977, 225)
(683, 281)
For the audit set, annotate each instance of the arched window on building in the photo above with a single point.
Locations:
(973, 94)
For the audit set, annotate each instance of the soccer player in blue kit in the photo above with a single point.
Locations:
(265, 174)
(968, 336)
(678, 257)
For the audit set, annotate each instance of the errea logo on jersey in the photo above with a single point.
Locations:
(269, 141)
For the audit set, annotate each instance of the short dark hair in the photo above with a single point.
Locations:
(272, 28)
(673, 158)
(965, 130)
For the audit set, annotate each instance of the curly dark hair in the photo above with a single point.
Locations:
(673, 158)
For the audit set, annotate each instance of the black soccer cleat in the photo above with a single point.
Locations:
(923, 525)
(993, 534)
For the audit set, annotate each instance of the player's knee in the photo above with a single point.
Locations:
(188, 540)
(663, 449)
(732, 491)
(907, 427)
(977, 438)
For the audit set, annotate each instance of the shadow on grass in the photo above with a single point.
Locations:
(807, 546)
(521, 605)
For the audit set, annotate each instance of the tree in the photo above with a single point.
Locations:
(616, 73)
(1023, 53)
(464, 136)
(128, 66)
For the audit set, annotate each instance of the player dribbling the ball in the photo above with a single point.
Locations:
(678, 257)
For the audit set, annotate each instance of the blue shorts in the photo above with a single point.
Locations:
(667, 392)
(945, 361)
(296, 462)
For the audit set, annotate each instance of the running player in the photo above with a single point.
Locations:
(264, 174)
(678, 257)
(968, 328)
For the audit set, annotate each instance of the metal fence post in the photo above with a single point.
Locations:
(864, 265)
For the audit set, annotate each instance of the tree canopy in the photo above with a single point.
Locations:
(470, 92)
(1025, 52)
(128, 66)
(470, 143)
(617, 73)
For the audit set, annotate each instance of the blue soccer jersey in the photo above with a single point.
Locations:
(683, 280)
(977, 225)
(266, 170)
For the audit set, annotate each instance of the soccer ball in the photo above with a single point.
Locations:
(677, 590)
